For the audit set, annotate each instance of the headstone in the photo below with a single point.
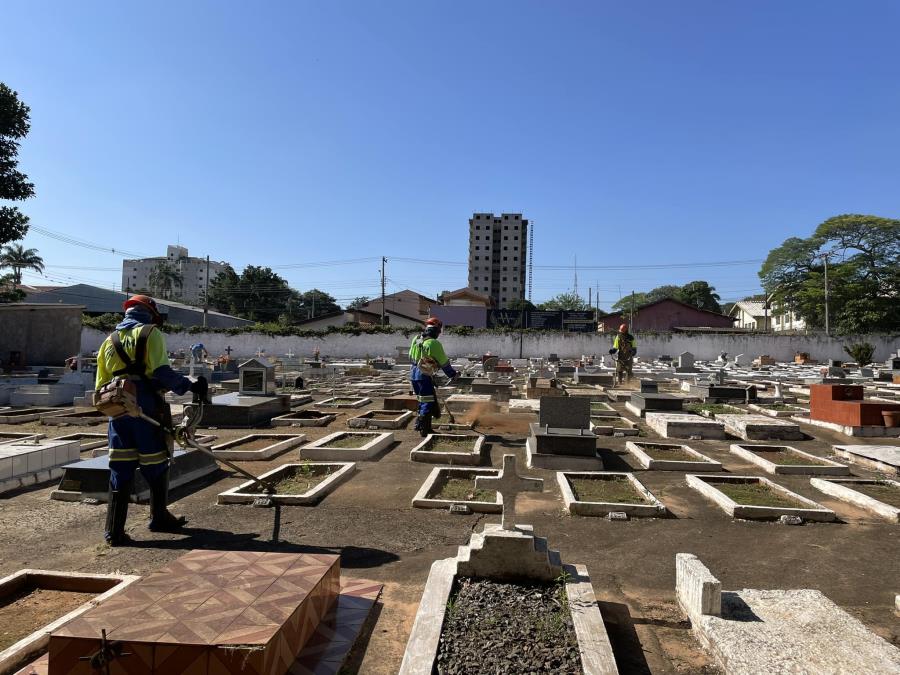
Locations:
(649, 387)
(257, 378)
(509, 484)
(737, 359)
(553, 358)
(685, 360)
(565, 412)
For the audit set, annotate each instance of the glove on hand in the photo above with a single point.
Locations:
(200, 388)
(613, 351)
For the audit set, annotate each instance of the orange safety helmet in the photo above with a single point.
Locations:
(144, 301)
(623, 328)
(434, 321)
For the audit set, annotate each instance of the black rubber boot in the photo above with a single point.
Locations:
(117, 514)
(425, 426)
(161, 520)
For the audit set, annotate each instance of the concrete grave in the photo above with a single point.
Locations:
(256, 378)
(87, 441)
(885, 458)
(304, 418)
(89, 478)
(78, 418)
(614, 426)
(257, 447)
(263, 612)
(722, 490)
(249, 491)
(643, 402)
(849, 490)
(784, 459)
(463, 403)
(381, 419)
(565, 413)
(778, 631)
(350, 446)
(679, 425)
(643, 503)
(430, 496)
(760, 428)
(236, 411)
(16, 436)
(24, 463)
(105, 586)
(23, 415)
(453, 449)
(670, 457)
(344, 402)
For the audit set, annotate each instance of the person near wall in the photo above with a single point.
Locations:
(624, 347)
(427, 355)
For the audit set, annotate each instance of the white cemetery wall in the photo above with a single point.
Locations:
(705, 346)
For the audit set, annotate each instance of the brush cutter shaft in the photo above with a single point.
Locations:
(187, 440)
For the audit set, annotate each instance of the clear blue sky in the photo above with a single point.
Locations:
(279, 133)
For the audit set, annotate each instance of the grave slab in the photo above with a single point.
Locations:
(304, 418)
(79, 418)
(89, 478)
(248, 492)
(372, 444)
(884, 458)
(576, 505)
(678, 425)
(24, 463)
(760, 428)
(799, 462)
(272, 446)
(652, 457)
(803, 508)
(614, 426)
(104, 585)
(428, 495)
(209, 611)
(381, 419)
(846, 489)
(778, 631)
(236, 411)
(424, 452)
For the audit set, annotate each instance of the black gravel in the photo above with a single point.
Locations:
(494, 627)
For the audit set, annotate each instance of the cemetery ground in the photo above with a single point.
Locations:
(370, 522)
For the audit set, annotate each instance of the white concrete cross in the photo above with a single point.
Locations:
(509, 484)
(290, 354)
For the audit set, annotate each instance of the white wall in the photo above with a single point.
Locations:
(702, 346)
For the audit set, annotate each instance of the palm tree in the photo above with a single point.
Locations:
(163, 279)
(20, 258)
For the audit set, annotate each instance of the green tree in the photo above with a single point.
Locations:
(316, 303)
(221, 290)
(701, 295)
(625, 303)
(565, 301)
(356, 303)
(521, 303)
(164, 279)
(19, 258)
(14, 185)
(863, 257)
(8, 290)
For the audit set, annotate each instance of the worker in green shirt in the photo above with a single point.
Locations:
(427, 355)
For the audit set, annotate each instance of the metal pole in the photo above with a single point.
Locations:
(206, 294)
(383, 261)
(827, 326)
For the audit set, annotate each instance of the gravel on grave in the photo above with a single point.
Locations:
(502, 627)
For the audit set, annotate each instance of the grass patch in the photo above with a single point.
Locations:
(669, 453)
(883, 492)
(758, 494)
(343, 401)
(614, 490)
(787, 457)
(297, 480)
(450, 444)
(463, 490)
(348, 441)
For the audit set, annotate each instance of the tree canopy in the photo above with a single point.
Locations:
(18, 258)
(14, 185)
(697, 293)
(259, 294)
(565, 301)
(358, 302)
(863, 254)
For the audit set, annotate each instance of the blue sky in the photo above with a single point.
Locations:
(282, 133)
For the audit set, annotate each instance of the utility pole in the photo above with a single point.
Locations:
(631, 321)
(383, 261)
(576, 276)
(590, 300)
(827, 326)
(206, 294)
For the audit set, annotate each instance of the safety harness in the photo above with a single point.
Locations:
(119, 396)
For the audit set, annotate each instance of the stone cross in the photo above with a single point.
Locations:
(509, 484)
(290, 354)
(228, 350)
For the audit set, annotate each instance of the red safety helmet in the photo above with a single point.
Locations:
(623, 328)
(434, 321)
(144, 301)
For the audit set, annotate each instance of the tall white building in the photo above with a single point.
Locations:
(192, 271)
(498, 251)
